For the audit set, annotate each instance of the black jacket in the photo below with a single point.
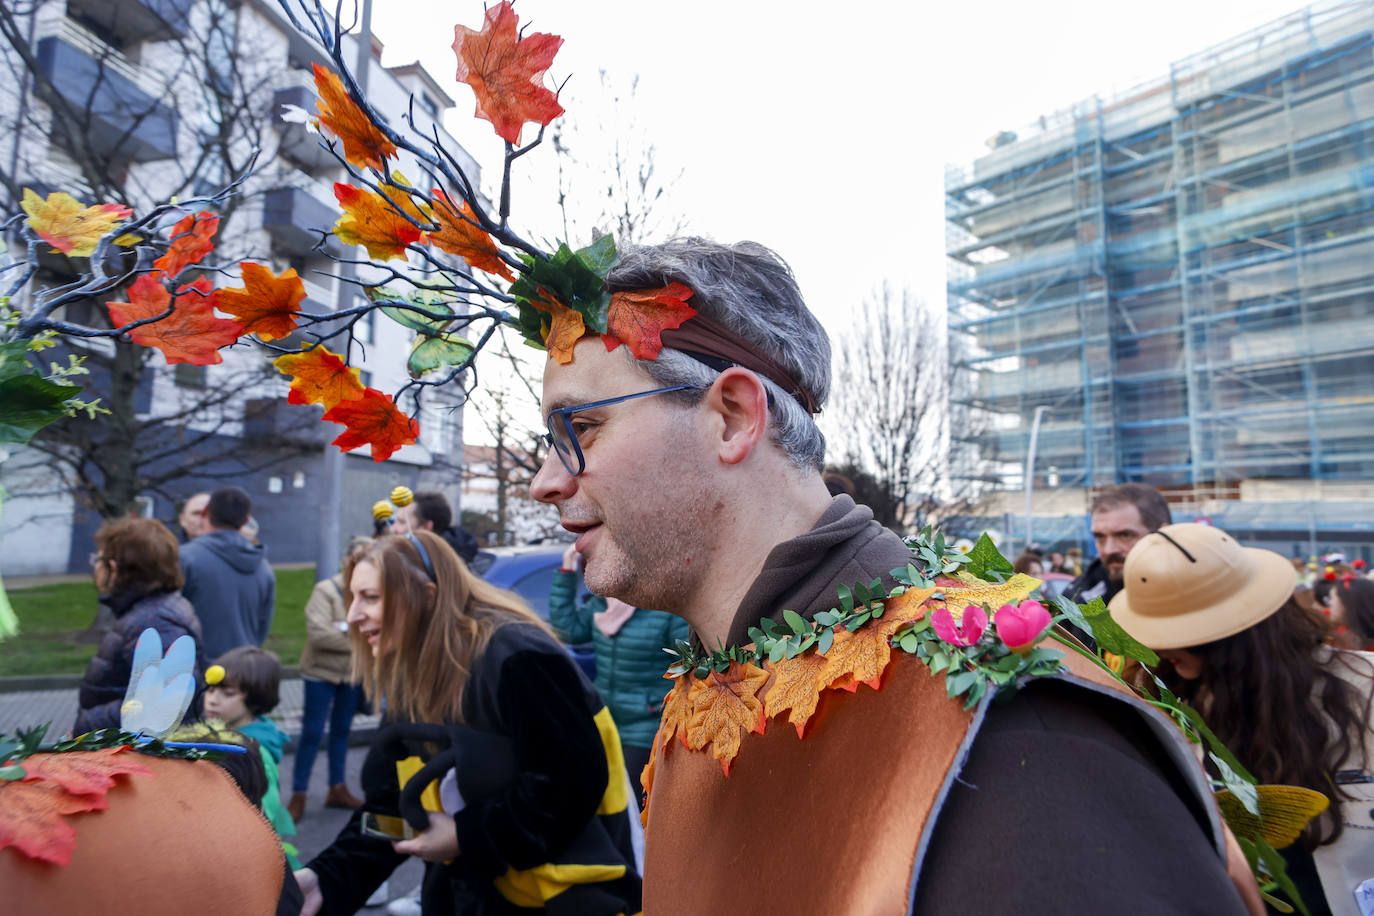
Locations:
(107, 677)
(544, 767)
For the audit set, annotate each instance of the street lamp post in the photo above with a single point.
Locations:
(1030, 469)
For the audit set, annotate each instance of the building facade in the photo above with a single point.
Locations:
(143, 101)
(1183, 276)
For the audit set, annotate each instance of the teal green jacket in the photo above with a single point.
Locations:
(629, 665)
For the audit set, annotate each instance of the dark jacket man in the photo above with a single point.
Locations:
(228, 580)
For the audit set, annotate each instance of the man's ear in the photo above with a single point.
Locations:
(740, 400)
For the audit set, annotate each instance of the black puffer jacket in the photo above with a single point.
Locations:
(107, 678)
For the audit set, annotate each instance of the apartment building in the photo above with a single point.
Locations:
(130, 85)
(1183, 277)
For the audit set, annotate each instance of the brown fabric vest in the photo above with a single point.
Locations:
(837, 822)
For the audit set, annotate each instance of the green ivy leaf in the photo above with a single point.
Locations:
(428, 300)
(28, 403)
(12, 772)
(909, 643)
(1111, 637)
(796, 622)
(985, 558)
(846, 597)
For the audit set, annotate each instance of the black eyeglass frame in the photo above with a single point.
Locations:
(576, 463)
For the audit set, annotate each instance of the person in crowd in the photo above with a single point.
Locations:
(242, 687)
(1032, 564)
(551, 821)
(191, 516)
(1073, 561)
(629, 643)
(382, 518)
(430, 511)
(1057, 564)
(137, 576)
(1121, 515)
(228, 580)
(693, 481)
(1294, 711)
(330, 691)
(1352, 608)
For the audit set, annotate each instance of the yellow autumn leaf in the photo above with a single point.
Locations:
(69, 226)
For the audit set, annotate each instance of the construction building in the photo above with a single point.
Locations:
(1183, 276)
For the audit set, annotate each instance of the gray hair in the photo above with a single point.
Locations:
(751, 291)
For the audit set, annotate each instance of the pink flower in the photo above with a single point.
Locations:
(965, 631)
(1021, 627)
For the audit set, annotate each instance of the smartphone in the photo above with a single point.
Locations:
(386, 826)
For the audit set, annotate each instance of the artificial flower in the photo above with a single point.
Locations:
(962, 632)
(1021, 626)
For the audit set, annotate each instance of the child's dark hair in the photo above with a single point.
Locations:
(257, 673)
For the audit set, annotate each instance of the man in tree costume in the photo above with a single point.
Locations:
(821, 759)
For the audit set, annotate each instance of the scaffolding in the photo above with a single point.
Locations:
(1183, 274)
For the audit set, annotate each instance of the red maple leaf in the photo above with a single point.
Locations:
(319, 377)
(192, 240)
(364, 144)
(190, 334)
(506, 71)
(459, 234)
(374, 420)
(267, 304)
(371, 220)
(637, 318)
(84, 772)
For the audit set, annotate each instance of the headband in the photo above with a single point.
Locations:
(424, 557)
(700, 336)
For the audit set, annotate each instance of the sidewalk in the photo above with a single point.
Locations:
(26, 708)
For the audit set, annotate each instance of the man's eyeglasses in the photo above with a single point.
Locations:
(564, 440)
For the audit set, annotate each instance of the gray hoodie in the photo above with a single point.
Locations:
(231, 587)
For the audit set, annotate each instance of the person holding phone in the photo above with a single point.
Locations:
(453, 656)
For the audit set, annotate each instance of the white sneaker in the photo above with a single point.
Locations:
(405, 906)
(379, 896)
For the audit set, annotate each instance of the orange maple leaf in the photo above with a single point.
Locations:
(370, 219)
(267, 304)
(677, 710)
(190, 334)
(31, 818)
(69, 227)
(797, 685)
(363, 143)
(637, 318)
(861, 657)
(646, 777)
(319, 377)
(84, 772)
(192, 240)
(459, 234)
(724, 709)
(506, 71)
(566, 327)
(374, 420)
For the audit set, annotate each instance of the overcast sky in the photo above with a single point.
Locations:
(823, 131)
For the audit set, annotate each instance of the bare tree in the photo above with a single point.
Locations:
(887, 408)
(87, 132)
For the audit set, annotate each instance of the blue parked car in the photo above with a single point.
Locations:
(528, 571)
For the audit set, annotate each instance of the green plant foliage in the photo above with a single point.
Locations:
(986, 562)
(576, 279)
(28, 402)
(422, 311)
(430, 353)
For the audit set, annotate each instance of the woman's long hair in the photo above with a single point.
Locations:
(433, 631)
(1290, 720)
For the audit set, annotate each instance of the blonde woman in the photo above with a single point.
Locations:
(530, 779)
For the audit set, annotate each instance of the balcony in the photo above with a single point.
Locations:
(137, 20)
(124, 118)
(295, 215)
(295, 141)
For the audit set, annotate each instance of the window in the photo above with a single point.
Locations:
(429, 105)
(274, 484)
(298, 480)
(186, 375)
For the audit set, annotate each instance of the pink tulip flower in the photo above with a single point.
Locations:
(963, 632)
(1021, 627)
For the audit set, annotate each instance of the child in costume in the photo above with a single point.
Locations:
(242, 687)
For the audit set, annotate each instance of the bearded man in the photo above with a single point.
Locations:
(693, 483)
